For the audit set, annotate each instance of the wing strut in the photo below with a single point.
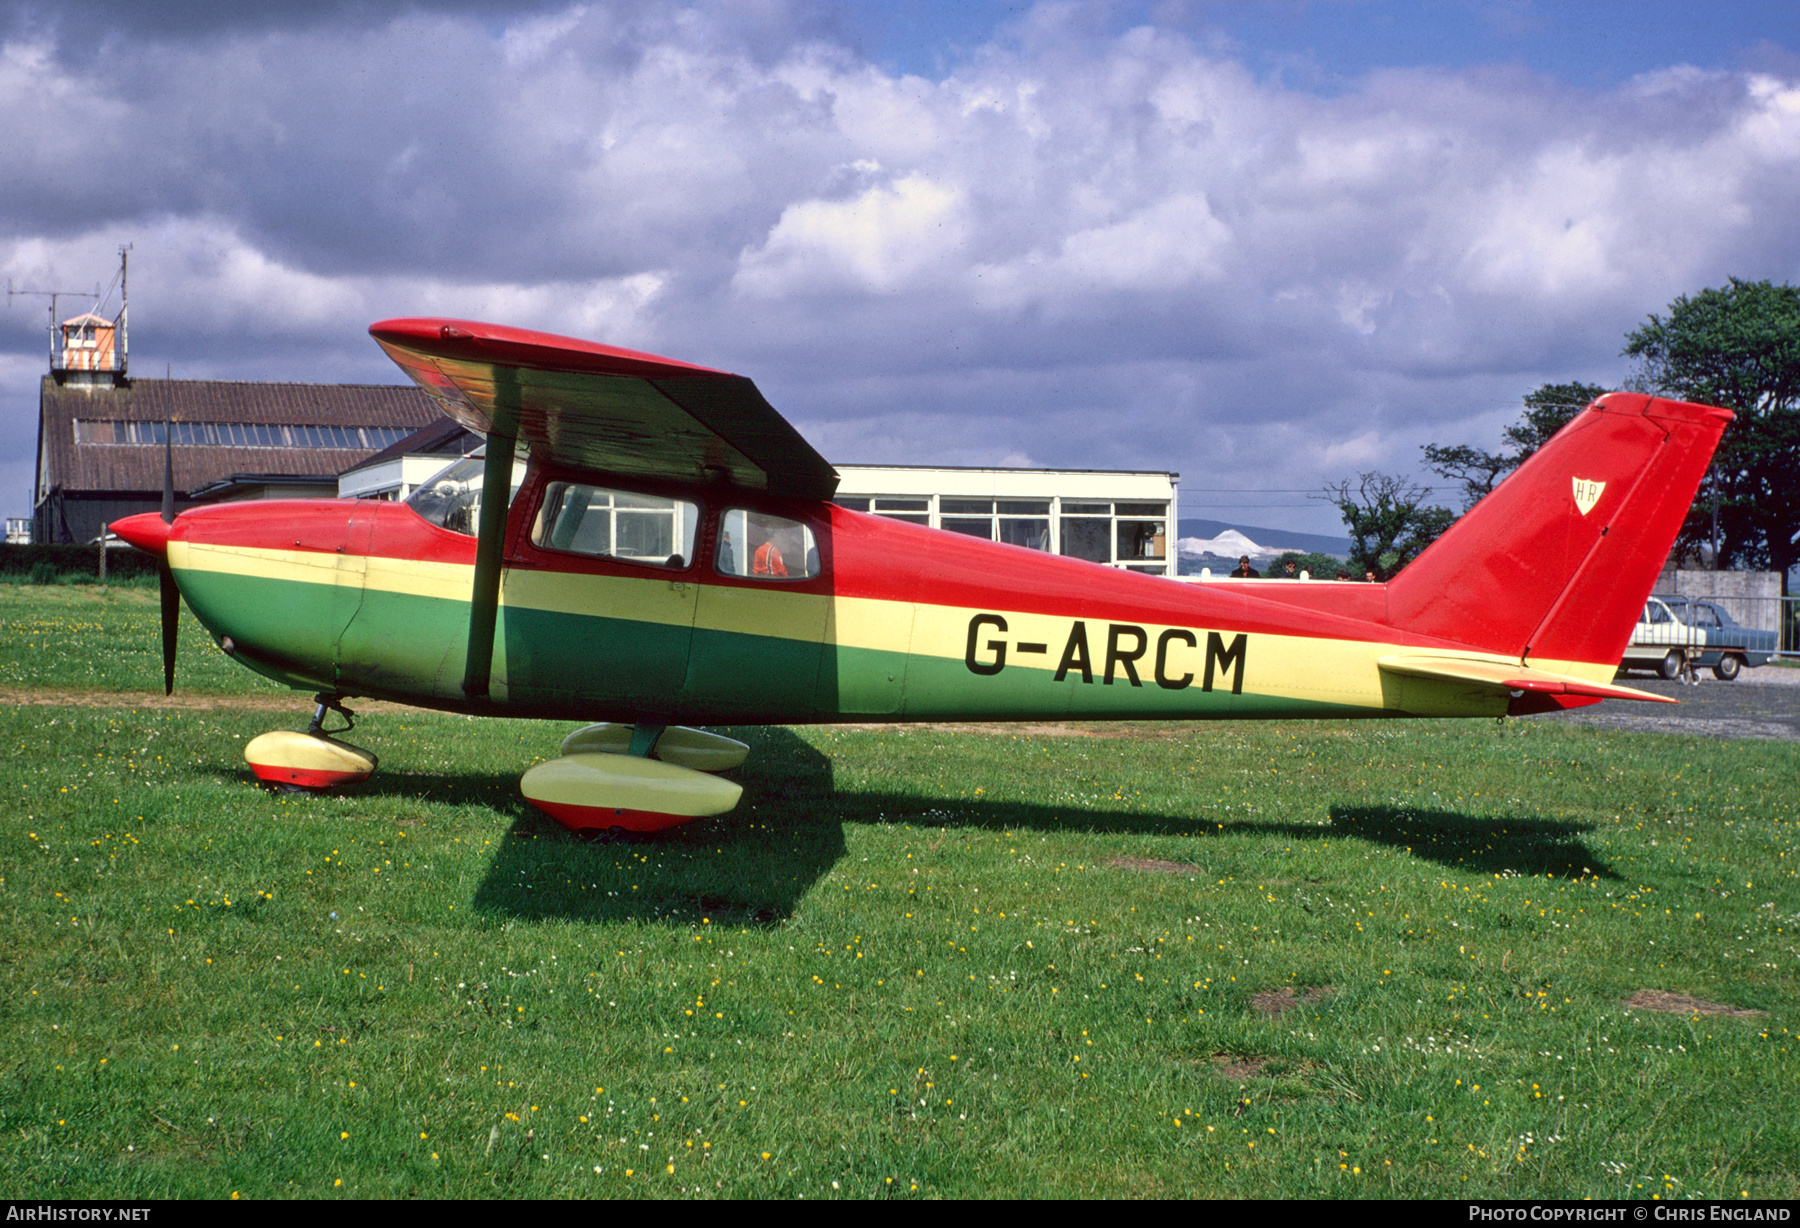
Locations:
(490, 542)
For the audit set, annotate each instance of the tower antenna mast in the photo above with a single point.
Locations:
(52, 295)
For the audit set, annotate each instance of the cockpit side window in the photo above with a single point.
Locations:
(758, 546)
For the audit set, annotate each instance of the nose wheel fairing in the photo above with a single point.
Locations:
(312, 759)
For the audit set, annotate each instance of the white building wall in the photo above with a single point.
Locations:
(1123, 519)
(391, 479)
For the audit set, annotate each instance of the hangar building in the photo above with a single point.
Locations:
(101, 435)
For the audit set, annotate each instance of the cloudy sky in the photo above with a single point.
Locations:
(1266, 243)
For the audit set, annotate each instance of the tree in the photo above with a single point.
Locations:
(1738, 347)
(1547, 411)
(1388, 520)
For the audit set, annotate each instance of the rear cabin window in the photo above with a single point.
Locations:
(616, 524)
(762, 547)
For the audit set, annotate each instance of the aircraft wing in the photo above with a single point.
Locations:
(591, 406)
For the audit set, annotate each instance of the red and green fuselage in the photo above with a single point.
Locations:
(1523, 606)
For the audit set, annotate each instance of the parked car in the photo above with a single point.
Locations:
(1676, 630)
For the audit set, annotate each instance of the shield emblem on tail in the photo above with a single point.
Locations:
(1587, 494)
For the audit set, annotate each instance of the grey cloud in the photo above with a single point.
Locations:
(1122, 251)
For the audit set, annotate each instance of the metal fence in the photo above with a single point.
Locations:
(1778, 614)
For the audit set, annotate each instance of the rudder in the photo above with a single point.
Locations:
(1555, 564)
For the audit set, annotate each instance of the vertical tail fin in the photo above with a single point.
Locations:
(1555, 564)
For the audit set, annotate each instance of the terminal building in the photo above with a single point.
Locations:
(1121, 519)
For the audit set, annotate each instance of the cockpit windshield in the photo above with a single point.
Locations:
(451, 498)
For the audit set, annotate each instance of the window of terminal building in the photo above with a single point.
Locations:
(1017, 522)
(1131, 535)
(910, 508)
(1086, 530)
(1142, 535)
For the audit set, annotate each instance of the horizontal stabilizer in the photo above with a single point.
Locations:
(1509, 676)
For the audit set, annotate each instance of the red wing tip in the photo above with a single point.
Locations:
(470, 339)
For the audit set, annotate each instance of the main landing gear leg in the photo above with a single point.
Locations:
(313, 759)
(636, 778)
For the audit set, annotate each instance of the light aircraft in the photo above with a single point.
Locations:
(672, 558)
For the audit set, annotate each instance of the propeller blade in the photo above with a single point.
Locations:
(171, 611)
(168, 503)
(171, 596)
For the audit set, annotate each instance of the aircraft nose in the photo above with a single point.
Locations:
(147, 531)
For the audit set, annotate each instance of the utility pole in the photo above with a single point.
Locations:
(1715, 516)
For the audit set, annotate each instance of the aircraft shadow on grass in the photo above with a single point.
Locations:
(1522, 846)
(755, 865)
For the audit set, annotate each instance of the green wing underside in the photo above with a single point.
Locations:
(707, 428)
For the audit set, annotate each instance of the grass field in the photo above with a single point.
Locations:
(1286, 959)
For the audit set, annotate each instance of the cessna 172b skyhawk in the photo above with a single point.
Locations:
(672, 558)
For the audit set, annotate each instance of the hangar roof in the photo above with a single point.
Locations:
(107, 438)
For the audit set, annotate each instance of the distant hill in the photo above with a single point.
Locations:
(1267, 537)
